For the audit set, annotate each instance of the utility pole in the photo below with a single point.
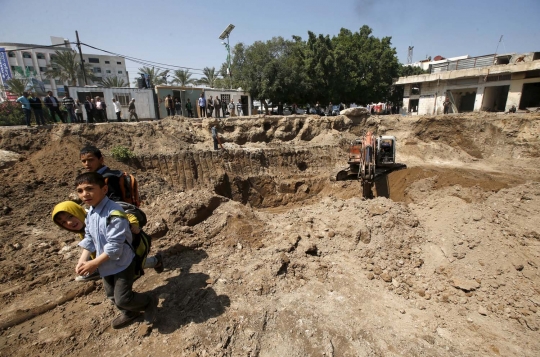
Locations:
(82, 62)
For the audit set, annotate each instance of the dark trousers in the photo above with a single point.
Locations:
(119, 289)
(203, 112)
(210, 110)
(217, 111)
(189, 113)
(100, 115)
(118, 114)
(40, 119)
(89, 116)
(27, 116)
(178, 110)
(170, 111)
(79, 117)
(56, 110)
(215, 143)
(446, 108)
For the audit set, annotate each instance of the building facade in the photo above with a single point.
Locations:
(31, 61)
(485, 83)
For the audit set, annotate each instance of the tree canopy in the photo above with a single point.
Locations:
(66, 67)
(350, 67)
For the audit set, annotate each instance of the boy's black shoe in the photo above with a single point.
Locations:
(151, 311)
(159, 265)
(124, 319)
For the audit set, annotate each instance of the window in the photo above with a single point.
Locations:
(46, 81)
(108, 71)
(122, 98)
(93, 60)
(118, 62)
(53, 57)
(11, 54)
(97, 69)
(40, 56)
(415, 89)
(58, 82)
(42, 69)
(119, 72)
(30, 68)
(16, 68)
(107, 62)
(26, 55)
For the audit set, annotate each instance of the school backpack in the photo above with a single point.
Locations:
(141, 244)
(126, 184)
(134, 210)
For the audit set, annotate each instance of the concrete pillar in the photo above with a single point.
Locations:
(479, 98)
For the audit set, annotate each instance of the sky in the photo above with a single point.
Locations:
(185, 33)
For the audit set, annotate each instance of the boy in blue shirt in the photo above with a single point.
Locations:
(109, 236)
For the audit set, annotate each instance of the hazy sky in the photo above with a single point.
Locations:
(183, 33)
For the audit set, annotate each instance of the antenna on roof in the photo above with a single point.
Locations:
(410, 54)
(500, 40)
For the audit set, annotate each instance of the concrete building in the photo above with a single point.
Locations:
(485, 83)
(31, 61)
(144, 100)
(183, 93)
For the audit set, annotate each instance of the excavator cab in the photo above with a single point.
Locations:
(386, 150)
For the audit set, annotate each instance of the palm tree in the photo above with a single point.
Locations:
(183, 77)
(111, 82)
(17, 85)
(209, 78)
(66, 67)
(156, 75)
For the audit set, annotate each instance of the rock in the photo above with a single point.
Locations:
(331, 234)
(519, 267)
(17, 246)
(355, 112)
(363, 234)
(8, 158)
(377, 210)
(144, 330)
(401, 311)
(158, 229)
(482, 311)
(477, 216)
(377, 270)
(370, 276)
(464, 284)
(386, 277)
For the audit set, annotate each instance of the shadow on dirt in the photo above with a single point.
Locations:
(187, 297)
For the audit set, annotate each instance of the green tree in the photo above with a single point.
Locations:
(110, 82)
(17, 85)
(365, 66)
(209, 77)
(405, 71)
(319, 64)
(66, 67)
(182, 77)
(156, 76)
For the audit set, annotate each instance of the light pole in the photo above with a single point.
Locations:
(225, 35)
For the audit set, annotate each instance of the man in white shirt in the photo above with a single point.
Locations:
(117, 109)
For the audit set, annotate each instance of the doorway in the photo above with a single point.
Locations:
(530, 96)
(495, 98)
(245, 104)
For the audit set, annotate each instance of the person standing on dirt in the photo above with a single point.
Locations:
(202, 105)
(27, 110)
(178, 106)
(90, 108)
(132, 111)
(231, 109)
(106, 235)
(214, 137)
(37, 108)
(117, 109)
(69, 104)
(446, 105)
(239, 110)
(217, 107)
(169, 105)
(210, 106)
(189, 109)
(52, 103)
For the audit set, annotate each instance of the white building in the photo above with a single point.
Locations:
(485, 83)
(30, 60)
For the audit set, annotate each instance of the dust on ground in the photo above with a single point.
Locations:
(266, 256)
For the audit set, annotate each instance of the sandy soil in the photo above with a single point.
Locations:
(266, 256)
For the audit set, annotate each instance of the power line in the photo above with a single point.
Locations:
(139, 60)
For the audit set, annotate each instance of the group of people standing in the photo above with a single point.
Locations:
(174, 106)
(218, 108)
(96, 109)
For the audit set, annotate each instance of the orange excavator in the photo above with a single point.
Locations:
(370, 157)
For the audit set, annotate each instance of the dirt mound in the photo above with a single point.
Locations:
(265, 256)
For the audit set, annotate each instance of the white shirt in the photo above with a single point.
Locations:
(117, 106)
(98, 104)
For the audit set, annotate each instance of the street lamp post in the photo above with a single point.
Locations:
(225, 35)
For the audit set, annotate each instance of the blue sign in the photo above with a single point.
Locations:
(5, 70)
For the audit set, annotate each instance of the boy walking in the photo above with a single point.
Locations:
(107, 234)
